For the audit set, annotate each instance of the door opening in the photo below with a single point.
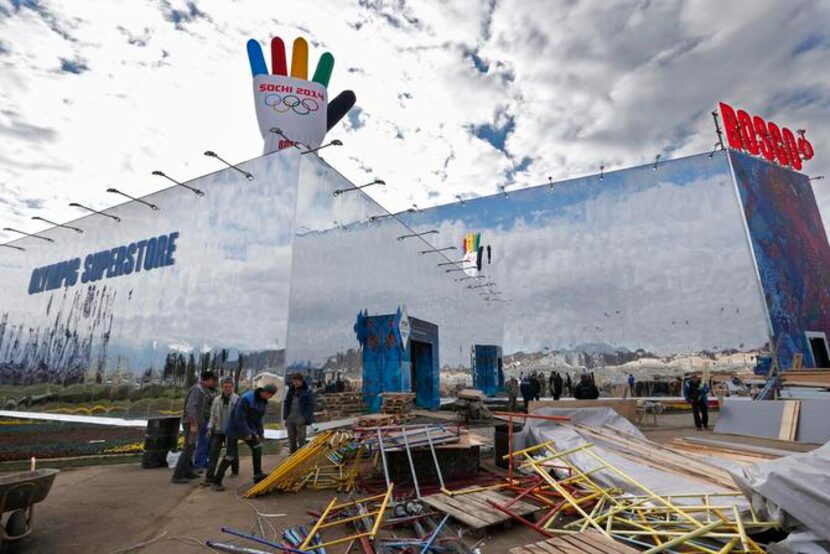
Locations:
(421, 372)
(818, 346)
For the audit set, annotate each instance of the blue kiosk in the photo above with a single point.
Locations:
(400, 354)
(488, 372)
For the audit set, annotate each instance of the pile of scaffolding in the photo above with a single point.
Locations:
(575, 502)
(565, 494)
(337, 459)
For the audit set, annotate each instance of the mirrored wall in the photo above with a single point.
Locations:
(152, 292)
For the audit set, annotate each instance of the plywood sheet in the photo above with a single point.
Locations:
(756, 418)
(789, 420)
(813, 419)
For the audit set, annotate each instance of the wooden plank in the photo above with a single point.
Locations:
(658, 456)
(738, 447)
(789, 420)
(565, 547)
(598, 539)
(817, 378)
(549, 547)
(479, 504)
(487, 514)
(460, 515)
(582, 545)
(443, 416)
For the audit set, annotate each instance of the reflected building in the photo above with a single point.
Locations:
(707, 256)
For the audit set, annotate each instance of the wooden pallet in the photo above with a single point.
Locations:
(473, 510)
(591, 542)
(377, 420)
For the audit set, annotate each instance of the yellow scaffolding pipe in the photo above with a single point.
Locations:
(333, 507)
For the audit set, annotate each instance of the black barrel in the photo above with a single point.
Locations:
(162, 436)
(500, 442)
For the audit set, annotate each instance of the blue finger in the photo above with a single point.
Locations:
(256, 59)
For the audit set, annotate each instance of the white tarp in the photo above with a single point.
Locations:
(795, 491)
(566, 437)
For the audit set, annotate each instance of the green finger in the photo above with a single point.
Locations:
(324, 68)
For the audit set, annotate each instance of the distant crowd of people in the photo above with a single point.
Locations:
(532, 387)
(215, 419)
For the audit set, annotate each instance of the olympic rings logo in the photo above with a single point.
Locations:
(282, 104)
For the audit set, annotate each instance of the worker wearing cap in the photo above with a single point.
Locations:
(194, 417)
(297, 411)
(694, 391)
(245, 424)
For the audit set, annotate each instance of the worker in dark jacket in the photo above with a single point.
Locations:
(556, 385)
(297, 411)
(245, 424)
(528, 391)
(694, 391)
(194, 417)
(586, 389)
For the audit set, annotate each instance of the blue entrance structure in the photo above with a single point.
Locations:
(488, 374)
(400, 354)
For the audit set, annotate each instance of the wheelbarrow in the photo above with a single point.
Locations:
(19, 492)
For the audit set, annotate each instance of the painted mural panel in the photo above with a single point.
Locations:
(791, 251)
(352, 257)
(642, 264)
(157, 295)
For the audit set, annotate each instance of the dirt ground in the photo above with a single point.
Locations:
(108, 508)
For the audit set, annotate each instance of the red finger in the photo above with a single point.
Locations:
(278, 63)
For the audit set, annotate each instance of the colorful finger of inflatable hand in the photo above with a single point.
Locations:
(299, 108)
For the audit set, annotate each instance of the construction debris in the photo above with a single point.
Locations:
(702, 522)
(336, 459)
(338, 405)
(470, 406)
(332, 460)
(398, 404)
(589, 541)
(588, 489)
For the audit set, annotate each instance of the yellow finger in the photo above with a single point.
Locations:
(299, 59)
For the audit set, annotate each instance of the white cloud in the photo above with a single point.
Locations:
(566, 85)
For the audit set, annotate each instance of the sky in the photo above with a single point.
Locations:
(453, 97)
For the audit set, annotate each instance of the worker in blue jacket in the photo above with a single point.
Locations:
(245, 424)
(694, 391)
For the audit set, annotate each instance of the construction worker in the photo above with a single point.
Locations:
(694, 391)
(512, 394)
(586, 389)
(297, 411)
(245, 424)
(220, 413)
(194, 417)
(527, 391)
(556, 385)
(202, 453)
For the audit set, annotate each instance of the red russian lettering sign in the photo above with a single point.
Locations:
(758, 137)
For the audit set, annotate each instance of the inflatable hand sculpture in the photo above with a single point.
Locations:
(290, 109)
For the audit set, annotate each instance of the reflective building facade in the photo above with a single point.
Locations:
(703, 255)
